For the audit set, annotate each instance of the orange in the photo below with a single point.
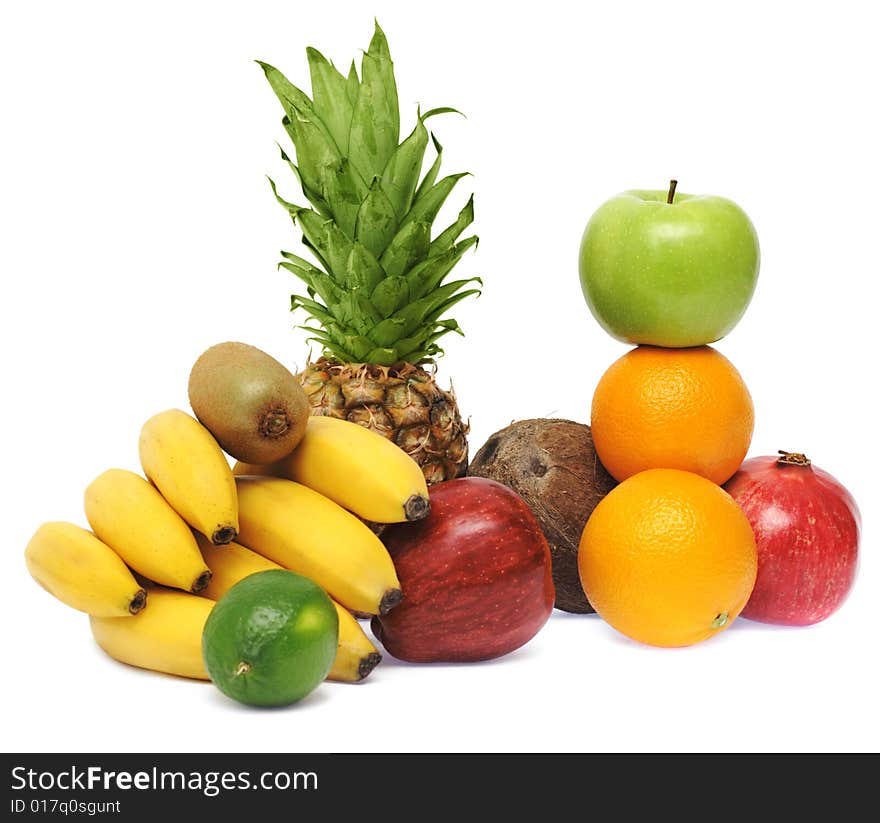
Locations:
(672, 409)
(668, 558)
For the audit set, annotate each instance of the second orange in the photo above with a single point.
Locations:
(683, 409)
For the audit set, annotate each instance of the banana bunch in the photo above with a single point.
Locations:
(194, 528)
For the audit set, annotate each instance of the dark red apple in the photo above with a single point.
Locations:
(807, 531)
(475, 576)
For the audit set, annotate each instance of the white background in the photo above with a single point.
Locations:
(138, 229)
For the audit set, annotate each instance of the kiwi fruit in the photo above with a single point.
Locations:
(252, 404)
(552, 465)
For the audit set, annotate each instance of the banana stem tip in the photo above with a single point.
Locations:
(202, 581)
(417, 507)
(139, 602)
(368, 663)
(224, 535)
(389, 600)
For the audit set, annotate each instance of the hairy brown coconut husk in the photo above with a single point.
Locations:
(553, 466)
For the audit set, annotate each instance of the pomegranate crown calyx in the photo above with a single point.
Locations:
(792, 459)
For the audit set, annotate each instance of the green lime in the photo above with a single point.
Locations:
(271, 638)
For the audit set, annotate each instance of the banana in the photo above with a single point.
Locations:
(184, 461)
(166, 637)
(356, 656)
(131, 517)
(229, 564)
(73, 565)
(356, 468)
(310, 534)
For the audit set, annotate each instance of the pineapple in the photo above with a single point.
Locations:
(378, 294)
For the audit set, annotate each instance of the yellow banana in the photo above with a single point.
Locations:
(166, 637)
(184, 461)
(73, 565)
(356, 656)
(229, 564)
(131, 517)
(310, 534)
(356, 468)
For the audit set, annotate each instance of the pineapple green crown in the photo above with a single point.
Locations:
(381, 295)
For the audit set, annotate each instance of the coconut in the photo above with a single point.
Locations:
(553, 466)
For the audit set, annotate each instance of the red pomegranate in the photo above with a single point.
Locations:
(806, 528)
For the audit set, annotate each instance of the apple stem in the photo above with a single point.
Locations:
(671, 196)
(792, 459)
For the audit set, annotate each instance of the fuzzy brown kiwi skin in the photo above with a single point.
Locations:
(251, 403)
(553, 466)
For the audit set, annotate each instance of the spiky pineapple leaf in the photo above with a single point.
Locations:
(409, 246)
(345, 191)
(291, 207)
(321, 205)
(288, 94)
(352, 85)
(427, 348)
(431, 176)
(427, 206)
(401, 175)
(318, 256)
(434, 314)
(375, 123)
(362, 269)
(349, 313)
(376, 220)
(382, 356)
(314, 309)
(303, 274)
(331, 243)
(387, 333)
(330, 98)
(288, 127)
(332, 340)
(365, 307)
(446, 239)
(390, 295)
(319, 335)
(424, 309)
(325, 172)
(314, 146)
(421, 343)
(426, 276)
(440, 110)
(296, 260)
(412, 242)
(359, 346)
(318, 282)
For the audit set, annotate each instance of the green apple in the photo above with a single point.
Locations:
(669, 269)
